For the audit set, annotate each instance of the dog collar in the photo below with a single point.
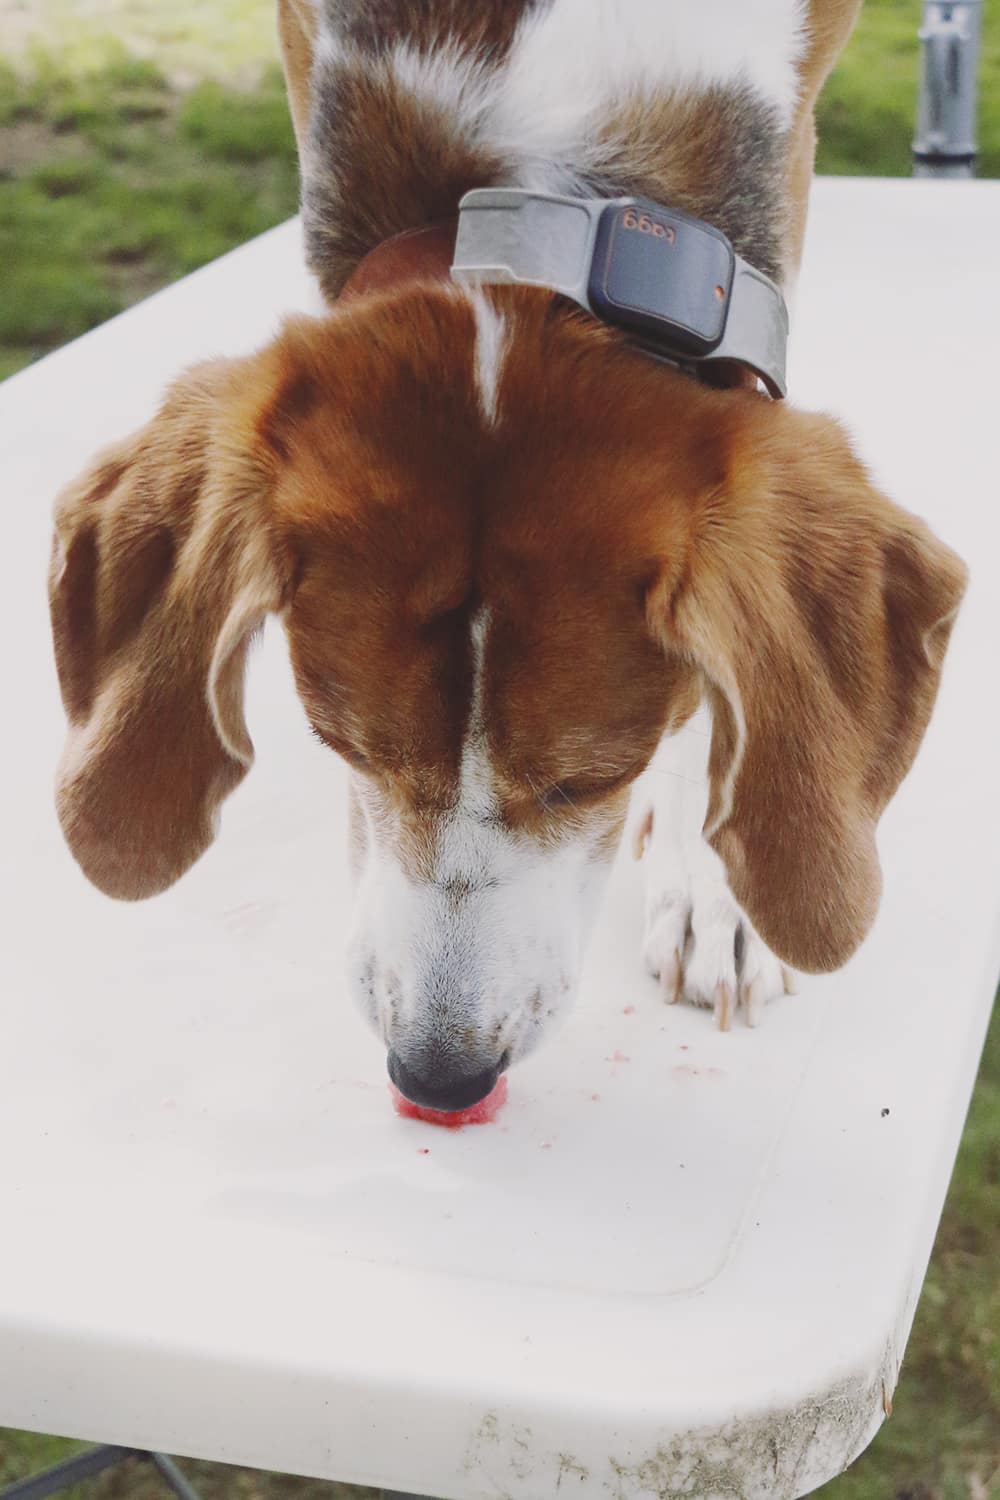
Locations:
(671, 282)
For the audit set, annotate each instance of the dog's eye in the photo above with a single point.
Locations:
(341, 747)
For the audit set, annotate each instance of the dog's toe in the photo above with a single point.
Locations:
(663, 945)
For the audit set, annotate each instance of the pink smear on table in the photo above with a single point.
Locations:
(483, 1113)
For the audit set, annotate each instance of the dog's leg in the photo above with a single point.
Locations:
(697, 940)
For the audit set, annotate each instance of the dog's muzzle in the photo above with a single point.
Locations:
(440, 1086)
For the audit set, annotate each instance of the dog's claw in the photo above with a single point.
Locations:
(754, 1000)
(642, 835)
(672, 979)
(723, 1007)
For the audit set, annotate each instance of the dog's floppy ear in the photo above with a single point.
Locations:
(819, 614)
(163, 566)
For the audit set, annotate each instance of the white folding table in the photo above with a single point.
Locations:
(680, 1262)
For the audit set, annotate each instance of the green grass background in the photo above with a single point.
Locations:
(140, 138)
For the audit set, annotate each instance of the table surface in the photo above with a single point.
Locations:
(219, 1240)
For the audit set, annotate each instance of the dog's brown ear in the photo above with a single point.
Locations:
(162, 569)
(297, 21)
(819, 614)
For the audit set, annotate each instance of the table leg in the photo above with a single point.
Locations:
(90, 1463)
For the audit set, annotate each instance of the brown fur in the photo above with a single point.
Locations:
(637, 539)
(367, 129)
(162, 568)
(483, 26)
(713, 154)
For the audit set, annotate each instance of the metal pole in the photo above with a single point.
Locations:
(945, 142)
(173, 1476)
(95, 1461)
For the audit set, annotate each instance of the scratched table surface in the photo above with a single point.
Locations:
(680, 1260)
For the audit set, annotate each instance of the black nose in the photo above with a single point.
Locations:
(442, 1088)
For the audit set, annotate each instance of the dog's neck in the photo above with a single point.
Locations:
(414, 105)
(426, 254)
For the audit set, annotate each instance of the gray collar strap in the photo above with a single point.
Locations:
(672, 282)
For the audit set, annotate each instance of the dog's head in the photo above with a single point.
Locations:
(509, 553)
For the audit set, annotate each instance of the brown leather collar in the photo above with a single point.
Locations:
(422, 254)
(426, 254)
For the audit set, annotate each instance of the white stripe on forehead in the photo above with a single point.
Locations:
(476, 798)
(478, 628)
(471, 845)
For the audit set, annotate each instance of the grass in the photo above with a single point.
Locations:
(866, 114)
(118, 184)
(125, 164)
(190, 40)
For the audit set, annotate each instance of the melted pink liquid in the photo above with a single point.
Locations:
(482, 1113)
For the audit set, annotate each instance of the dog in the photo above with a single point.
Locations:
(514, 553)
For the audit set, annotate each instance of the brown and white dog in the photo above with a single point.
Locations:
(511, 552)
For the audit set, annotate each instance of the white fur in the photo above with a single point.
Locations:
(328, 50)
(691, 916)
(484, 954)
(574, 58)
(572, 61)
(461, 86)
(491, 348)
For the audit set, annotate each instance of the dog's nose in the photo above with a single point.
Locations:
(441, 1087)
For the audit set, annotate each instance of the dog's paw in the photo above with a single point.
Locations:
(697, 941)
